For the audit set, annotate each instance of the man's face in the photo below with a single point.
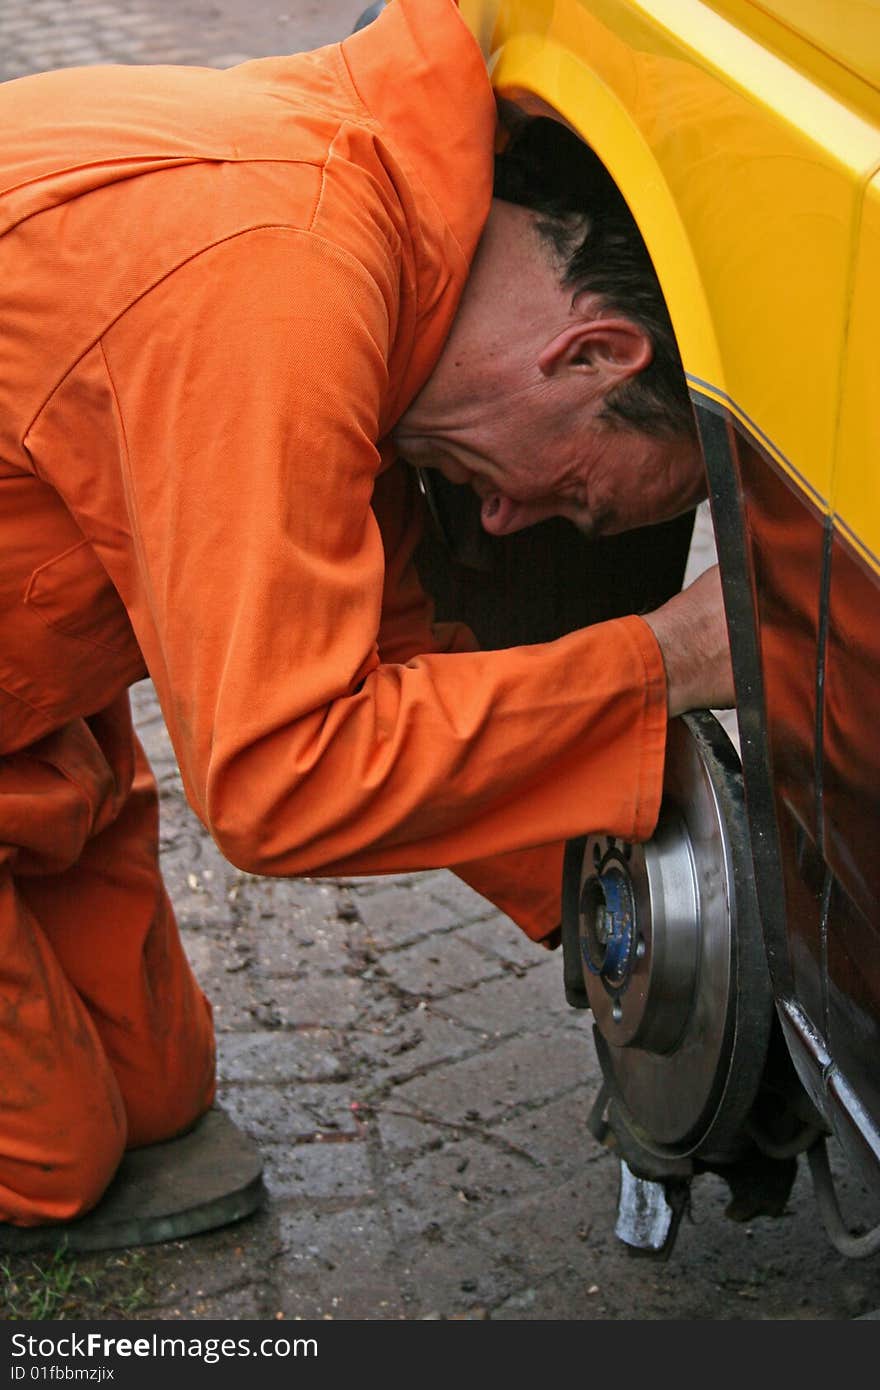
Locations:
(535, 453)
(514, 405)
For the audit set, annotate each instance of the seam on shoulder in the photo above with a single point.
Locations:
(115, 394)
(349, 75)
(320, 194)
(363, 118)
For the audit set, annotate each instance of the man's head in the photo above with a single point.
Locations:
(560, 390)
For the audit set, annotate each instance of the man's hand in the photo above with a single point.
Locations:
(692, 632)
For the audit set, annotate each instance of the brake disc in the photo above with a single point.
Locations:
(669, 943)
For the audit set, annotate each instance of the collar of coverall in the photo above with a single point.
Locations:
(437, 109)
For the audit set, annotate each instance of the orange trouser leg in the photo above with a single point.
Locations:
(62, 1121)
(106, 1038)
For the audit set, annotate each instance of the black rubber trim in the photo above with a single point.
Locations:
(716, 429)
(821, 656)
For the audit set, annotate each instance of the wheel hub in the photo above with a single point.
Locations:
(639, 924)
(607, 921)
(671, 955)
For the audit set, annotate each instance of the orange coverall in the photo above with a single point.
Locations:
(220, 289)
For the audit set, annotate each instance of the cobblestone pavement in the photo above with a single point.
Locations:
(404, 1057)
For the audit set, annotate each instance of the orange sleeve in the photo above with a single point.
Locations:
(246, 387)
(525, 884)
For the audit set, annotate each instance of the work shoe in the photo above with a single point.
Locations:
(208, 1177)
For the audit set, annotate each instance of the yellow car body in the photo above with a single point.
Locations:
(745, 136)
(746, 139)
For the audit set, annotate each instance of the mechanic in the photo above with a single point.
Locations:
(238, 315)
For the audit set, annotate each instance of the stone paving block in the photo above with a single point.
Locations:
(367, 884)
(546, 1218)
(203, 1266)
(253, 1302)
(198, 878)
(248, 1303)
(524, 1305)
(300, 936)
(227, 60)
(139, 21)
(316, 1173)
(72, 54)
(405, 1132)
(61, 35)
(17, 25)
(293, 910)
(452, 1186)
(497, 935)
(486, 1088)
(288, 899)
(454, 1277)
(380, 1007)
(150, 726)
(219, 961)
(467, 904)
(557, 1298)
(432, 968)
(277, 1057)
(751, 1274)
(410, 1044)
(39, 60)
(327, 1001)
(338, 1265)
(512, 1004)
(171, 794)
(555, 1135)
(398, 915)
(83, 12)
(291, 1113)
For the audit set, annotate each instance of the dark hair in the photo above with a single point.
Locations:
(583, 215)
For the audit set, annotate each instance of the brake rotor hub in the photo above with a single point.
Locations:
(639, 919)
(670, 949)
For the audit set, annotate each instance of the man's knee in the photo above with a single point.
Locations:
(60, 1176)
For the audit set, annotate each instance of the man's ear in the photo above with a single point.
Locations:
(610, 349)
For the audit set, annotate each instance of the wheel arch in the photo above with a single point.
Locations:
(547, 79)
